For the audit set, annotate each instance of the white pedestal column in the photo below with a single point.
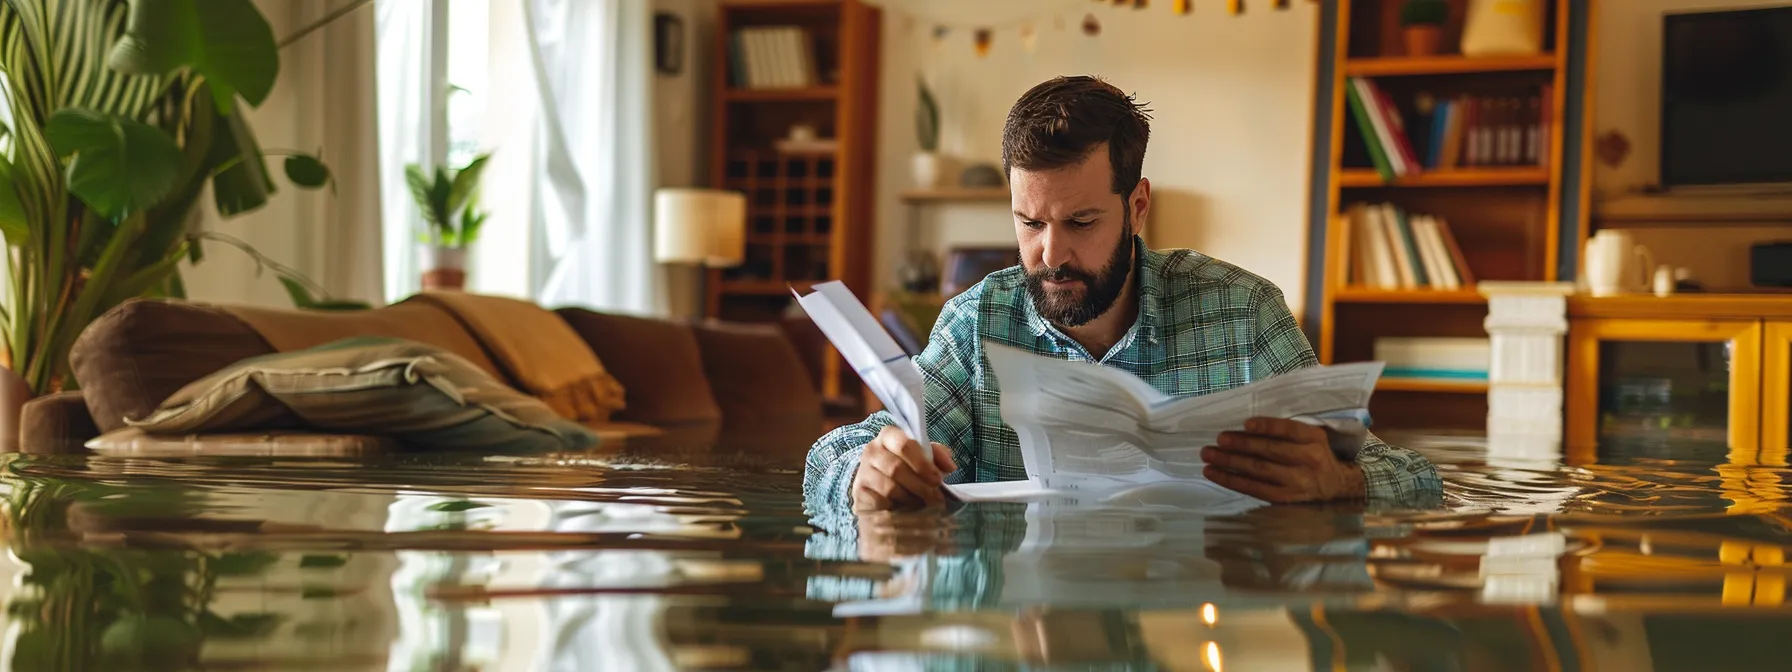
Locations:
(1526, 323)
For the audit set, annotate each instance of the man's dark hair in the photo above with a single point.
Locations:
(1058, 122)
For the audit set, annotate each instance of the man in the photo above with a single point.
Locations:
(1089, 290)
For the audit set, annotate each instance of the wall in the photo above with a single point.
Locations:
(1231, 100)
(1627, 99)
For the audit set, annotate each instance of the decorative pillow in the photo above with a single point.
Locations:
(420, 394)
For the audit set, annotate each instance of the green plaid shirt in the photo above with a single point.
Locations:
(1204, 326)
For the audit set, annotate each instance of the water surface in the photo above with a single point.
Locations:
(1657, 558)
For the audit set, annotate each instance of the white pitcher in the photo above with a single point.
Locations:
(1616, 264)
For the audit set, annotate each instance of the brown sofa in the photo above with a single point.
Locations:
(687, 383)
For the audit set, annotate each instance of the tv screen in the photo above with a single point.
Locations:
(1726, 97)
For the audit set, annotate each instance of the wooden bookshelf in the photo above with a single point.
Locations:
(1503, 215)
(1437, 386)
(1493, 176)
(1399, 66)
(776, 95)
(809, 206)
(1375, 295)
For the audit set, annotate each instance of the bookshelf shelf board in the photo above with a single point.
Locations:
(1423, 385)
(1444, 65)
(1493, 176)
(1424, 296)
(807, 93)
(944, 194)
(765, 287)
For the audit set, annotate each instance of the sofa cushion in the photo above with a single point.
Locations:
(657, 361)
(420, 394)
(135, 355)
(540, 353)
(757, 377)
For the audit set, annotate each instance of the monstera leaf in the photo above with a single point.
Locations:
(227, 41)
(120, 165)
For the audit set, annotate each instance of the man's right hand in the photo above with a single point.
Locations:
(895, 471)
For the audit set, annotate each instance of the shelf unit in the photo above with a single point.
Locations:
(809, 205)
(1505, 218)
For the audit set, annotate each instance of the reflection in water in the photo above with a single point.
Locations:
(458, 563)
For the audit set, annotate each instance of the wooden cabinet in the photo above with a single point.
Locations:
(1670, 376)
(1776, 391)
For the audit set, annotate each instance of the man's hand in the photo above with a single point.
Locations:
(896, 471)
(1282, 461)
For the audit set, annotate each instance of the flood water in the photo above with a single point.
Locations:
(1657, 558)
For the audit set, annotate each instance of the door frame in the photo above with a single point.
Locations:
(1776, 392)
(1582, 402)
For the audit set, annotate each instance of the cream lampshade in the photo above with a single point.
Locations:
(699, 226)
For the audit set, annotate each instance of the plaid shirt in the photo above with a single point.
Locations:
(1204, 326)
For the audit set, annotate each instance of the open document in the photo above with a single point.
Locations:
(1084, 427)
(1090, 430)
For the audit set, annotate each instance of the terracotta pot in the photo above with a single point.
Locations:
(14, 392)
(1423, 40)
(450, 279)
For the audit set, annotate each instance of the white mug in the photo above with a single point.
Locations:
(1615, 264)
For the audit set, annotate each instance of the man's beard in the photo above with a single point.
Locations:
(1100, 289)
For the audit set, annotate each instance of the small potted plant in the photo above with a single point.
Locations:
(1422, 23)
(449, 203)
(927, 129)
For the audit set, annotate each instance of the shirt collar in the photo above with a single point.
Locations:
(1147, 266)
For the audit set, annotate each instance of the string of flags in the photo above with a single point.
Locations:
(1027, 29)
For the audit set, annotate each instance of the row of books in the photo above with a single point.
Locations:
(1443, 359)
(771, 57)
(1387, 247)
(1453, 132)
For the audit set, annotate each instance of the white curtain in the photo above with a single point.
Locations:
(593, 173)
(410, 66)
(336, 69)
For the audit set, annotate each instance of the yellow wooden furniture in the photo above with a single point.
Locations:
(1691, 367)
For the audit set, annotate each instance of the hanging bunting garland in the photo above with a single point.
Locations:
(1028, 28)
(1181, 7)
(1140, 4)
(1091, 25)
(984, 35)
(1029, 38)
(1236, 7)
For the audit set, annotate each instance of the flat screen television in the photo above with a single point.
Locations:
(1726, 97)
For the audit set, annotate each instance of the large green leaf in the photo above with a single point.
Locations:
(120, 165)
(14, 223)
(243, 183)
(227, 41)
(421, 188)
(307, 171)
(466, 181)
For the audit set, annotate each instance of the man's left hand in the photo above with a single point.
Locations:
(1282, 461)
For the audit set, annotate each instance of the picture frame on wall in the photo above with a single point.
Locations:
(668, 43)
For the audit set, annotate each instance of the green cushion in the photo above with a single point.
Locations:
(417, 393)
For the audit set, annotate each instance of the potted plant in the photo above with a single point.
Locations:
(927, 130)
(1422, 23)
(100, 182)
(449, 202)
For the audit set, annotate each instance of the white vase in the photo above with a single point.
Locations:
(437, 257)
(926, 168)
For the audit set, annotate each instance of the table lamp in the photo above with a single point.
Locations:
(699, 227)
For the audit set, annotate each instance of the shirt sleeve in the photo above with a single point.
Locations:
(948, 365)
(1394, 476)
